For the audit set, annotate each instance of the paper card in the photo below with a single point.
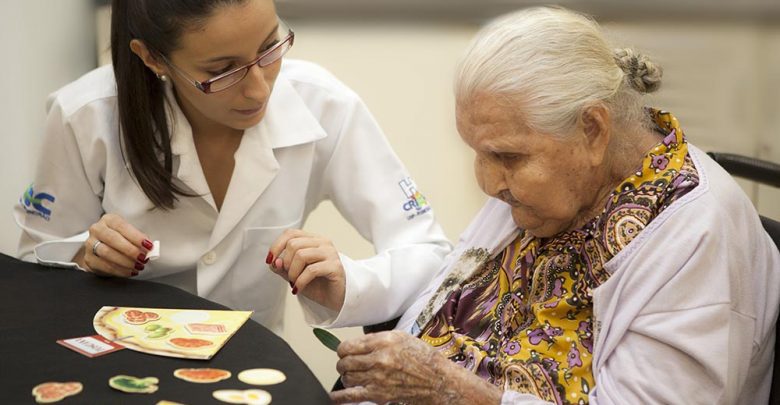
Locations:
(164, 332)
(91, 346)
(154, 254)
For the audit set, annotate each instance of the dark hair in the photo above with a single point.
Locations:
(143, 125)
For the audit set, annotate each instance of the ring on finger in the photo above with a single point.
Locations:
(95, 247)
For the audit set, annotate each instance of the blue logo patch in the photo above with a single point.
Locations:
(416, 204)
(33, 203)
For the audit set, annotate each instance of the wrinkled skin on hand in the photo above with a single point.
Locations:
(395, 366)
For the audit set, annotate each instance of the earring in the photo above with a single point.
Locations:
(163, 78)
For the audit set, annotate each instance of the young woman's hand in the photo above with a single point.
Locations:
(114, 248)
(311, 264)
(395, 366)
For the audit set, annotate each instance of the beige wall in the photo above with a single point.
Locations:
(769, 142)
(42, 47)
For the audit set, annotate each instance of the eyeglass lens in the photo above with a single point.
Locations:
(278, 50)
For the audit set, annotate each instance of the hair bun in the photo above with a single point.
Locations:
(643, 75)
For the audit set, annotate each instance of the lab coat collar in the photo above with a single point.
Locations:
(187, 167)
(287, 122)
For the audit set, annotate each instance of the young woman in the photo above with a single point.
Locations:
(201, 138)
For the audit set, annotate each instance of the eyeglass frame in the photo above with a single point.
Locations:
(205, 86)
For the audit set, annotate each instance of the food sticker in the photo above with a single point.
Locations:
(134, 385)
(136, 317)
(262, 376)
(189, 343)
(229, 396)
(328, 339)
(49, 392)
(202, 375)
(253, 397)
(257, 397)
(155, 331)
(206, 328)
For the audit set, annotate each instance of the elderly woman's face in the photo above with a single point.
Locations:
(546, 179)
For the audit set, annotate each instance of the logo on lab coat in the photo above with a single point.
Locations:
(32, 203)
(416, 204)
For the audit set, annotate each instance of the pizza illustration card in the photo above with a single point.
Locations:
(186, 333)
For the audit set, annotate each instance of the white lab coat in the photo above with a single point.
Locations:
(317, 141)
(688, 315)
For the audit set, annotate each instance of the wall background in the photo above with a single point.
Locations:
(44, 45)
(721, 65)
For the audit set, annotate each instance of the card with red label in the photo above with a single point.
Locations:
(91, 346)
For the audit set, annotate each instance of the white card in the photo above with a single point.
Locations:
(91, 346)
(154, 254)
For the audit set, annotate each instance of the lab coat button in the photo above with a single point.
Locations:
(210, 257)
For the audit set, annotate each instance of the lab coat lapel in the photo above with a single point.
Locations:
(287, 122)
(187, 167)
(255, 168)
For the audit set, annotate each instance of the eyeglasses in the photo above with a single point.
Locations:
(226, 80)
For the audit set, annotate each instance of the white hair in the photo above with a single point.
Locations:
(552, 63)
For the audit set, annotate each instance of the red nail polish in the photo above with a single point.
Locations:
(295, 290)
(139, 266)
(133, 274)
(141, 258)
(269, 258)
(147, 244)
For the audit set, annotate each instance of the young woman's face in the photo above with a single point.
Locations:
(232, 36)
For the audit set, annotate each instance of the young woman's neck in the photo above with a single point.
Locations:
(203, 127)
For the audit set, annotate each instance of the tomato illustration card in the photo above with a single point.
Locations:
(186, 333)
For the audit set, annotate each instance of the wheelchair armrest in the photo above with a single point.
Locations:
(380, 327)
(749, 168)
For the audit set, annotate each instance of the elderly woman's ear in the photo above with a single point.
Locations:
(596, 128)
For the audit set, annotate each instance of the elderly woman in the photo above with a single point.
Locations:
(615, 262)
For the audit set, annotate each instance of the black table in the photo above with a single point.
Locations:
(39, 305)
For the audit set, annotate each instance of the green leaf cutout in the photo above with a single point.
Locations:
(328, 339)
(132, 384)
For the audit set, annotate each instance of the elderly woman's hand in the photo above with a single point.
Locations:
(395, 366)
